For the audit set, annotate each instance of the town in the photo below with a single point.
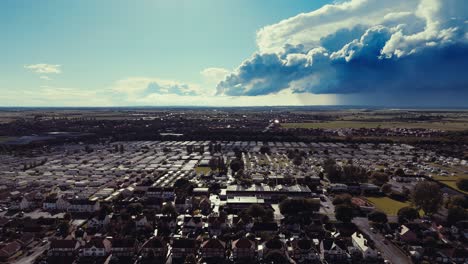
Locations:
(234, 132)
(233, 202)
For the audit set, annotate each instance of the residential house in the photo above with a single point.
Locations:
(304, 251)
(216, 224)
(191, 224)
(50, 203)
(265, 229)
(165, 223)
(123, 247)
(333, 251)
(26, 239)
(96, 247)
(100, 221)
(407, 235)
(63, 248)
(154, 248)
(243, 248)
(152, 203)
(213, 248)
(31, 200)
(182, 204)
(182, 247)
(338, 188)
(369, 188)
(9, 250)
(141, 222)
(164, 193)
(275, 250)
(83, 206)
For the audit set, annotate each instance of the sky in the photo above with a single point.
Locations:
(233, 53)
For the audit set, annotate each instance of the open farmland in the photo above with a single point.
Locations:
(448, 126)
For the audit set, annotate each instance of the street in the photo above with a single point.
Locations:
(30, 259)
(389, 251)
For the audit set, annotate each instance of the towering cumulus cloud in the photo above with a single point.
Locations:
(406, 47)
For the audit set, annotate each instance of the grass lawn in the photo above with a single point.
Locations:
(387, 205)
(450, 181)
(453, 126)
(204, 170)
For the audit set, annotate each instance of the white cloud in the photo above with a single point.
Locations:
(137, 87)
(46, 78)
(44, 68)
(57, 96)
(308, 28)
(360, 46)
(284, 98)
(214, 75)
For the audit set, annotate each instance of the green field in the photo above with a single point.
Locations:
(204, 170)
(4, 139)
(387, 205)
(452, 126)
(450, 181)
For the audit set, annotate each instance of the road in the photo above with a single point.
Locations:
(327, 208)
(389, 251)
(30, 259)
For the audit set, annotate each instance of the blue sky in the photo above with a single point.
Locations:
(220, 52)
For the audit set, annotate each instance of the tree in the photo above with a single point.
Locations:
(427, 196)
(269, 216)
(344, 213)
(342, 199)
(379, 178)
(265, 149)
(180, 183)
(386, 188)
(135, 208)
(236, 165)
(189, 149)
(455, 214)
(462, 184)
(67, 217)
(354, 173)
(458, 200)
(63, 229)
(378, 217)
(297, 160)
(256, 211)
(190, 259)
(299, 206)
(168, 209)
(213, 163)
(183, 187)
(407, 214)
(237, 152)
(400, 172)
(332, 170)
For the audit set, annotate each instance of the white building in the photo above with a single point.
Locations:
(360, 242)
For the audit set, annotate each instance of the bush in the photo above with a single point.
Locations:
(407, 214)
(298, 206)
(342, 199)
(455, 214)
(344, 213)
(458, 200)
(378, 217)
(462, 184)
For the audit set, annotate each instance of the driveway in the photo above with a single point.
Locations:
(30, 259)
(389, 251)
